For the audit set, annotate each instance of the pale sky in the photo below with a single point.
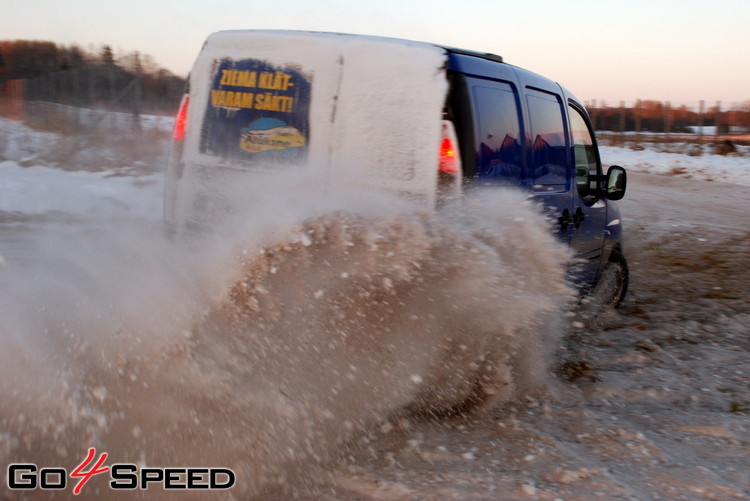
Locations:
(681, 51)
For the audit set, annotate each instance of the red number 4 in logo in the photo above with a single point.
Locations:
(86, 475)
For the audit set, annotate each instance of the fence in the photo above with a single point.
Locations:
(77, 100)
(34, 102)
(111, 133)
(660, 121)
(64, 100)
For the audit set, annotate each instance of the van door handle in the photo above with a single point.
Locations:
(565, 220)
(578, 217)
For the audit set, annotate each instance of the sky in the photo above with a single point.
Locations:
(681, 51)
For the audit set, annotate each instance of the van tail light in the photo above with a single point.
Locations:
(449, 164)
(181, 121)
(175, 166)
(448, 151)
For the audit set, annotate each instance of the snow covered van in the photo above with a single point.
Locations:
(410, 117)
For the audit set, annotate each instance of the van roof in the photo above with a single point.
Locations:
(463, 55)
(455, 50)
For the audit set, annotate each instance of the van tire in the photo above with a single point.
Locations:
(618, 266)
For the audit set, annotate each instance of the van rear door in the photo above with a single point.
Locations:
(352, 109)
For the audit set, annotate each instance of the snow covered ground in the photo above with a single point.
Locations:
(43, 173)
(115, 178)
(675, 161)
(650, 402)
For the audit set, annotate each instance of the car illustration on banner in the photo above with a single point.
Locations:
(270, 134)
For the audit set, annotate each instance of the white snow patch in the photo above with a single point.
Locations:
(708, 167)
(39, 190)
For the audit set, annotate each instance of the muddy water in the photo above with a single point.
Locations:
(327, 360)
(273, 356)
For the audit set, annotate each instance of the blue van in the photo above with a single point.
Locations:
(412, 117)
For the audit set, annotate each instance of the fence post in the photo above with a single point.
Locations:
(112, 94)
(717, 120)
(15, 91)
(92, 87)
(593, 114)
(637, 119)
(137, 93)
(77, 98)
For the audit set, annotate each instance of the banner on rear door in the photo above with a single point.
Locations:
(258, 111)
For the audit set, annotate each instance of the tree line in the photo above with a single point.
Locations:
(71, 75)
(658, 116)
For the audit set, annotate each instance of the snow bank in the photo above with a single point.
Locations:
(720, 168)
(39, 190)
(131, 186)
(17, 141)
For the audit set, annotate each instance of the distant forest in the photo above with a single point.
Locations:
(70, 75)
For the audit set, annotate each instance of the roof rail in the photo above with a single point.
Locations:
(483, 55)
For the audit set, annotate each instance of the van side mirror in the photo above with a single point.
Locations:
(617, 182)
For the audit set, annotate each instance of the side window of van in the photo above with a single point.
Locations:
(549, 163)
(585, 155)
(499, 147)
